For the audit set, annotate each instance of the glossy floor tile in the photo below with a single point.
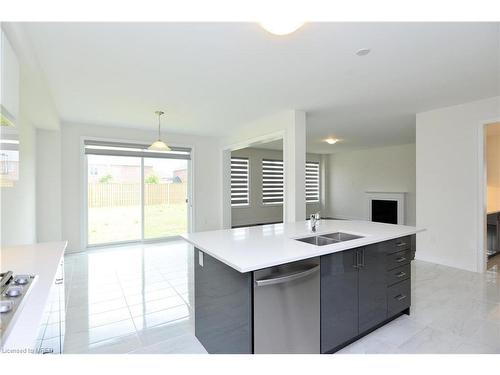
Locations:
(131, 299)
(139, 299)
(453, 311)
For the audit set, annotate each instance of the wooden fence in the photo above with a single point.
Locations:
(126, 194)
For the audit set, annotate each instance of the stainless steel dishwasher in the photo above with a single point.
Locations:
(287, 308)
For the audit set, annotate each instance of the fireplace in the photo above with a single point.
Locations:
(386, 207)
(384, 211)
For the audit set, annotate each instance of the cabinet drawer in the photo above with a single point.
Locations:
(399, 244)
(398, 297)
(398, 259)
(398, 274)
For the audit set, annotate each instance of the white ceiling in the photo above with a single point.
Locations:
(211, 78)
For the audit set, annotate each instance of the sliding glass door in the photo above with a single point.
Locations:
(165, 197)
(134, 194)
(113, 199)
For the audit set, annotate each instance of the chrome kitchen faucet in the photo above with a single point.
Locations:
(314, 220)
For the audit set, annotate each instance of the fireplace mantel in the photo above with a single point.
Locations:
(398, 196)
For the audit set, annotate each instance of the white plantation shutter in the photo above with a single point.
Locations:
(272, 181)
(239, 182)
(312, 182)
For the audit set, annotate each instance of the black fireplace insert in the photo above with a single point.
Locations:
(385, 211)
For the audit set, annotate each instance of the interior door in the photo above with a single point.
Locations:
(339, 299)
(372, 286)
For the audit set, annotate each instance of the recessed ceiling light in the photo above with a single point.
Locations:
(282, 26)
(363, 51)
(331, 141)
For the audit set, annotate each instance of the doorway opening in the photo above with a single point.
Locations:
(135, 195)
(257, 185)
(492, 161)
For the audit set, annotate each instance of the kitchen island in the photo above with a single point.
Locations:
(263, 290)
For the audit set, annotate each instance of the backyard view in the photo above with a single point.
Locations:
(114, 198)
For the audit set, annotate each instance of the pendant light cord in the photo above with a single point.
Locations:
(159, 114)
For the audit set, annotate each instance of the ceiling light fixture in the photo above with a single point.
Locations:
(282, 26)
(331, 141)
(159, 145)
(363, 51)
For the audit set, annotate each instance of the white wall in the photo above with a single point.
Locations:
(39, 103)
(206, 176)
(351, 174)
(19, 219)
(18, 211)
(448, 182)
(48, 185)
(256, 212)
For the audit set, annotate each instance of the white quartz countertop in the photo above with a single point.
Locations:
(252, 248)
(43, 260)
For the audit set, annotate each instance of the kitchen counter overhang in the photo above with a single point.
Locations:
(253, 248)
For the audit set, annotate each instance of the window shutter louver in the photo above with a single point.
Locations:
(312, 182)
(239, 181)
(272, 181)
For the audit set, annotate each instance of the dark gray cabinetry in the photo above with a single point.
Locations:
(362, 289)
(398, 274)
(223, 306)
(398, 298)
(400, 253)
(339, 298)
(372, 283)
(353, 294)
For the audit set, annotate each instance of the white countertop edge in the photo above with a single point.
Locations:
(322, 250)
(31, 259)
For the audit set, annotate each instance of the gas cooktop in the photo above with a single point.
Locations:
(13, 292)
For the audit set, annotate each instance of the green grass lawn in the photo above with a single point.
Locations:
(113, 224)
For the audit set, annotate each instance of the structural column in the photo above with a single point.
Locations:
(294, 157)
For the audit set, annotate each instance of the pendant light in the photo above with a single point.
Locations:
(159, 145)
(282, 26)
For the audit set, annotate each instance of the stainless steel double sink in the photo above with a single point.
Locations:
(328, 239)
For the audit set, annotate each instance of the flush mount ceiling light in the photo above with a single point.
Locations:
(363, 51)
(159, 145)
(331, 141)
(282, 26)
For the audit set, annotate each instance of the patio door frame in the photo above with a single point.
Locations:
(84, 184)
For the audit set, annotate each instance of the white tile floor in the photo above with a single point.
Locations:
(138, 299)
(131, 299)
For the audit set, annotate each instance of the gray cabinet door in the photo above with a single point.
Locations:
(372, 286)
(223, 306)
(339, 299)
